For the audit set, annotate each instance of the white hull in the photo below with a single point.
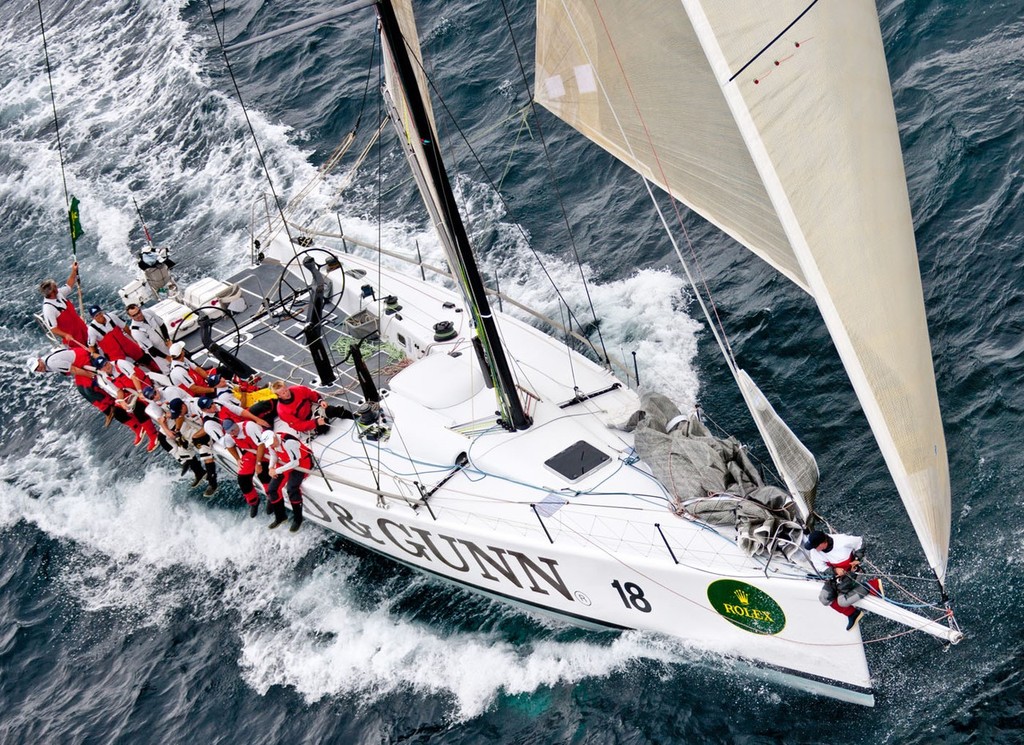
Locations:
(602, 551)
(813, 652)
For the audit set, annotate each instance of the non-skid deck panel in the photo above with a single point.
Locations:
(275, 346)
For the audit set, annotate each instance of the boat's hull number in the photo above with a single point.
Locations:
(632, 596)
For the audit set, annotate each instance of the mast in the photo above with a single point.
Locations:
(449, 221)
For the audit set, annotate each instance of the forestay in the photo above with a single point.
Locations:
(775, 121)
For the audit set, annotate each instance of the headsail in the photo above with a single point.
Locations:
(796, 465)
(776, 122)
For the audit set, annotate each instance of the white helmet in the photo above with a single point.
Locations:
(32, 363)
(267, 438)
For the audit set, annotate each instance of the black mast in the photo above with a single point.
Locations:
(469, 273)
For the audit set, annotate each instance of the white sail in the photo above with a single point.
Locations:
(735, 106)
(660, 111)
(795, 462)
(412, 139)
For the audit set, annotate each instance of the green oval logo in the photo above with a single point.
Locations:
(746, 606)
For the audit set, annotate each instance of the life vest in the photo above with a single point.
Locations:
(242, 441)
(81, 360)
(122, 381)
(305, 454)
(68, 320)
(138, 373)
(845, 564)
(142, 377)
(116, 344)
(224, 414)
(197, 375)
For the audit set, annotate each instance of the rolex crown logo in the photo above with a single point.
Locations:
(742, 597)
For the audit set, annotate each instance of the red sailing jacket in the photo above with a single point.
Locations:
(82, 360)
(298, 413)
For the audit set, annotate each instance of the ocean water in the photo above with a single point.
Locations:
(132, 611)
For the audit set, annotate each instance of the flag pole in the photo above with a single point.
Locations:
(72, 203)
(145, 228)
(76, 231)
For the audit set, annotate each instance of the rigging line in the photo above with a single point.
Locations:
(551, 171)
(726, 349)
(380, 256)
(508, 209)
(512, 152)
(72, 216)
(366, 88)
(53, 101)
(252, 131)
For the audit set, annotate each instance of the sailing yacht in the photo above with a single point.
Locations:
(490, 454)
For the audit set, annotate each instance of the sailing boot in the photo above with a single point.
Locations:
(150, 429)
(280, 515)
(211, 479)
(296, 517)
(253, 500)
(135, 426)
(198, 474)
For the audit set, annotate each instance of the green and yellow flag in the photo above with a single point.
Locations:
(76, 226)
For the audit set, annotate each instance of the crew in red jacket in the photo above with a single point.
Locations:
(77, 364)
(243, 441)
(303, 409)
(122, 388)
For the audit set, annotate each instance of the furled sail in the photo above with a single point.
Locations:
(796, 465)
(775, 121)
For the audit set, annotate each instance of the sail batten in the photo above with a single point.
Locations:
(775, 121)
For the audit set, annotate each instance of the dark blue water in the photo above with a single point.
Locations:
(132, 612)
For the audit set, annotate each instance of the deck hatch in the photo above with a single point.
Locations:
(577, 460)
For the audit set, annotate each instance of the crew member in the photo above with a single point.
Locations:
(243, 442)
(124, 391)
(171, 441)
(186, 374)
(837, 557)
(76, 363)
(303, 409)
(290, 462)
(150, 333)
(59, 313)
(193, 434)
(107, 334)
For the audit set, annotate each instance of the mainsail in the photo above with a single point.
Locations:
(775, 121)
